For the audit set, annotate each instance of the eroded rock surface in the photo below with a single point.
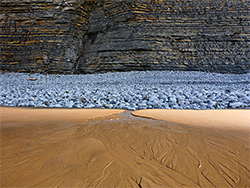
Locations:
(89, 36)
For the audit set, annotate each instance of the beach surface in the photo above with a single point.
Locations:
(112, 148)
(236, 122)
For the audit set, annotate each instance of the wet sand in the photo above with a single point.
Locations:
(101, 148)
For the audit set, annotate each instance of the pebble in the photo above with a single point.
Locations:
(236, 104)
(127, 90)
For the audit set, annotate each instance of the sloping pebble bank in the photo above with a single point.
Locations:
(127, 90)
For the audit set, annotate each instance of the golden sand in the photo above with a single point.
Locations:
(236, 119)
(236, 122)
(99, 148)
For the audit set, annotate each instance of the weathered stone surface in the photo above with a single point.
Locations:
(89, 36)
(42, 35)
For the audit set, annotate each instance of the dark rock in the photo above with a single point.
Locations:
(92, 36)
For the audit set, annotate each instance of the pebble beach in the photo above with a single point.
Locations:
(127, 90)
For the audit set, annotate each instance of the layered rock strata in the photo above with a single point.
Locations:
(88, 36)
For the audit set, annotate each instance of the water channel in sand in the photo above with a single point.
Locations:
(96, 148)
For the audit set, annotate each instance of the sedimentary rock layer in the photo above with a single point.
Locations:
(42, 35)
(88, 36)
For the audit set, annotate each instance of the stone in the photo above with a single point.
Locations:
(31, 104)
(57, 106)
(236, 104)
(112, 102)
(70, 104)
(151, 103)
(105, 105)
(131, 108)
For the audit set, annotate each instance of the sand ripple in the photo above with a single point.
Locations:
(120, 152)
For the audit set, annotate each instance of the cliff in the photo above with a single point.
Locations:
(89, 36)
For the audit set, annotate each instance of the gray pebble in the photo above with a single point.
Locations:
(127, 90)
(236, 104)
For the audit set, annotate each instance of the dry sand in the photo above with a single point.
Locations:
(236, 122)
(99, 148)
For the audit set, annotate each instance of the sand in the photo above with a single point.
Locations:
(111, 148)
(236, 122)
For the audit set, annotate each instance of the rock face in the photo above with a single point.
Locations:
(89, 36)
